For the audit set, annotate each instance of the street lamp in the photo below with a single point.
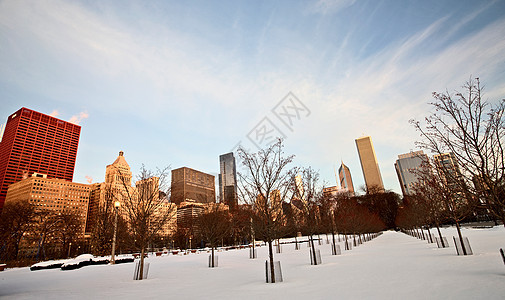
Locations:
(116, 207)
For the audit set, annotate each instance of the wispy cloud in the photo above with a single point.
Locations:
(54, 113)
(144, 68)
(78, 118)
(331, 6)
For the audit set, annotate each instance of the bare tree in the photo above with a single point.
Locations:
(214, 226)
(448, 197)
(45, 229)
(146, 208)
(102, 227)
(382, 202)
(473, 130)
(264, 185)
(327, 204)
(240, 224)
(307, 190)
(16, 220)
(68, 231)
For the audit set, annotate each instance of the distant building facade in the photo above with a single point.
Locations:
(190, 185)
(331, 191)
(407, 168)
(36, 143)
(369, 164)
(188, 213)
(344, 175)
(228, 180)
(117, 185)
(53, 195)
(448, 167)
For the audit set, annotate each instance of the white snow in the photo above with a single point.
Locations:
(78, 259)
(50, 263)
(393, 266)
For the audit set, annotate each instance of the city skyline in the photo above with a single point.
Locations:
(179, 84)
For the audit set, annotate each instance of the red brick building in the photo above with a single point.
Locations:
(35, 142)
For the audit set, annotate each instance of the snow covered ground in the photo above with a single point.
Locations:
(393, 266)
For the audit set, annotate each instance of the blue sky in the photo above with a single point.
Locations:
(180, 82)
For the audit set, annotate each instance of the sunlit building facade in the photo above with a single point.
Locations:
(189, 185)
(36, 143)
(369, 164)
(408, 167)
(344, 175)
(53, 195)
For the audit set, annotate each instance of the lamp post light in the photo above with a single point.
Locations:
(116, 207)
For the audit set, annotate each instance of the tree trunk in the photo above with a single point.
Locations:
(296, 243)
(430, 240)
(461, 238)
(334, 246)
(141, 275)
(440, 235)
(271, 257)
(212, 257)
(313, 249)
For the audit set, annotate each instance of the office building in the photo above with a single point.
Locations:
(369, 165)
(188, 213)
(228, 180)
(36, 143)
(190, 185)
(116, 187)
(448, 168)
(345, 179)
(408, 167)
(55, 195)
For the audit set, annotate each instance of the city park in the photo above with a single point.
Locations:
(371, 246)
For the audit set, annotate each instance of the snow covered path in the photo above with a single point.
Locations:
(393, 266)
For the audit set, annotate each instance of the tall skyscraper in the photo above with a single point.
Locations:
(406, 167)
(228, 179)
(36, 143)
(369, 165)
(345, 178)
(190, 185)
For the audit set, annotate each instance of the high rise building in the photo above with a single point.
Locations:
(36, 143)
(228, 180)
(190, 185)
(117, 185)
(407, 167)
(345, 178)
(369, 165)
